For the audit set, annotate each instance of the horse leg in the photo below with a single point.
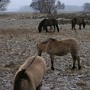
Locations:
(74, 61)
(54, 27)
(39, 52)
(57, 28)
(74, 27)
(52, 62)
(79, 26)
(46, 29)
(83, 24)
(76, 57)
(39, 87)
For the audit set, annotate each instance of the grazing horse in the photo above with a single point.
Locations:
(60, 48)
(30, 74)
(79, 21)
(48, 22)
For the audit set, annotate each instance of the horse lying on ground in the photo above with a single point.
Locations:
(79, 21)
(30, 74)
(60, 48)
(48, 22)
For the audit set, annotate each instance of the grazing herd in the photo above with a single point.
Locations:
(53, 22)
(29, 76)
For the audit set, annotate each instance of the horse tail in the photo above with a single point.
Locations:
(18, 79)
(22, 77)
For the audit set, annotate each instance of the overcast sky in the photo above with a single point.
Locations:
(16, 4)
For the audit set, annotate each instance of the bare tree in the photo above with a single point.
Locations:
(3, 4)
(46, 6)
(63, 6)
(86, 7)
(60, 5)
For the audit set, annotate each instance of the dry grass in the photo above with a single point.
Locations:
(18, 42)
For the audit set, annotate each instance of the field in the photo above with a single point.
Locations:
(18, 38)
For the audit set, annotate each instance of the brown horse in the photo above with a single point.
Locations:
(60, 48)
(79, 21)
(30, 74)
(48, 22)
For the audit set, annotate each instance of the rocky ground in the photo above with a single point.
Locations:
(18, 39)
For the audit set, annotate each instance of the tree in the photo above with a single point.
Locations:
(60, 5)
(46, 6)
(3, 4)
(86, 7)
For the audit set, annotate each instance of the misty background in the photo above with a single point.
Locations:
(24, 5)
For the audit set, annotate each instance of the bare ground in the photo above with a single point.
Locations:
(18, 39)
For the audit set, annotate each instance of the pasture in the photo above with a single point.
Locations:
(18, 39)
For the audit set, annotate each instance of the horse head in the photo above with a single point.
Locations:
(41, 25)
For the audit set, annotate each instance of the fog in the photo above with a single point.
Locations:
(16, 4)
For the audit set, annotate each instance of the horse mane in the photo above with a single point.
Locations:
(48, 40)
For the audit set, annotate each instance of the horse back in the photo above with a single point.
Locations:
(77, 20)
(50, 22)
(37, 70)
(62, 47)
(72, 44)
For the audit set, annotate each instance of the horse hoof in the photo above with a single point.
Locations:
(73, 67)
(52, 68)
(58, 31)
(79, 68)
(39, 31)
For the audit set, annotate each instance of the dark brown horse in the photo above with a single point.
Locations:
(48, 22)
(79, 21)
(30, 74)
(60, 48)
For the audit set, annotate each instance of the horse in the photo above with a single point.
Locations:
(29, 76)
(79, 21)
(60, 48)
(48, 22)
